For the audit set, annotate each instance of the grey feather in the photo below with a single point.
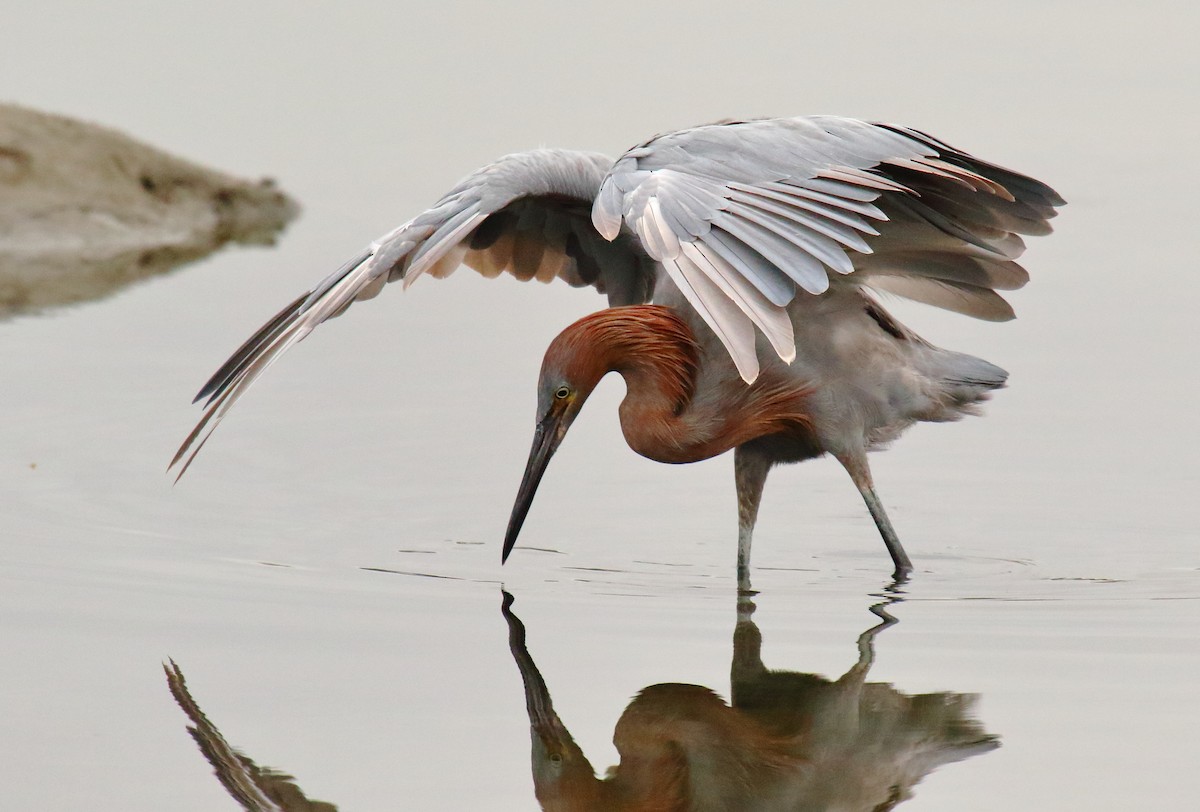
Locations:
(951, 267)
(803, 266)
(738, 214)
(796, 216)
(795, 194)
(771, 319)
(837, 188)
(794, 189)
(447, 235)
(776, 285)
(799, 235)
(969, 300)
(731, 324)
(809, 211)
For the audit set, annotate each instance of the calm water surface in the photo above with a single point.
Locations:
(327, 579)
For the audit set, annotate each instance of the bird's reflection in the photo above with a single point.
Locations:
(257, 789)
(787, 741)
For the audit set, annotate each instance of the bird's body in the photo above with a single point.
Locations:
(685, 401)
(858, 380)
(738, 261)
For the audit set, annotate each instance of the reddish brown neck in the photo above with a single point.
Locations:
(662, 418)
(648, 344)
(714, 422)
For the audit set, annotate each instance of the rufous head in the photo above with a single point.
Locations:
(570, 371)
(641, 342)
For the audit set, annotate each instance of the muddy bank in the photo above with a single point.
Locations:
(85, 210)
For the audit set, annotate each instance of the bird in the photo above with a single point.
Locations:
(743, 263)
(784, 740)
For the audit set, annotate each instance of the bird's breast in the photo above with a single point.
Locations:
(712, 424)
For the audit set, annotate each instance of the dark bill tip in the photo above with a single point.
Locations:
(545, 441)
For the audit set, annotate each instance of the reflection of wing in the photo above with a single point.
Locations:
(257, 789)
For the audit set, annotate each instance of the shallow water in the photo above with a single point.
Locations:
(327, 577)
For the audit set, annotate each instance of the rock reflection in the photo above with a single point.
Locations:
(257, 789)
(788, 741)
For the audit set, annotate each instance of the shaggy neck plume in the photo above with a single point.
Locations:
(657, 354)
(649, 345)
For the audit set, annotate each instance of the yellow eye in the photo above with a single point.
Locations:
(562, 392)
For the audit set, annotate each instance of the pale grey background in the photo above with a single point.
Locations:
(1069, 508)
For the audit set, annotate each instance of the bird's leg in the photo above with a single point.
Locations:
(750, 473)
(855, 464)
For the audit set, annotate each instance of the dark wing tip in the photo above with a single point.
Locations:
(1020, 185)
(250, 349)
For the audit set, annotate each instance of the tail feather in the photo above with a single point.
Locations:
(965, 379)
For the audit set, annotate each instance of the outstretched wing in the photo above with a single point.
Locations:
(744, 213)
(739, 215)
(527, 214)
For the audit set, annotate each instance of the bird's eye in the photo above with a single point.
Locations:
(561, 392)
(555, 758)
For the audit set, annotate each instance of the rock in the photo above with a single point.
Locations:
(85, 210)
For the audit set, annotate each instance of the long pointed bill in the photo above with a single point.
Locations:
(546, 437)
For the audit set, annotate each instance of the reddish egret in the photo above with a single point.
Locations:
(739, 261)
(785, 740)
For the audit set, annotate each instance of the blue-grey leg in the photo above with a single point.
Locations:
(856, 465)
(750, 474)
